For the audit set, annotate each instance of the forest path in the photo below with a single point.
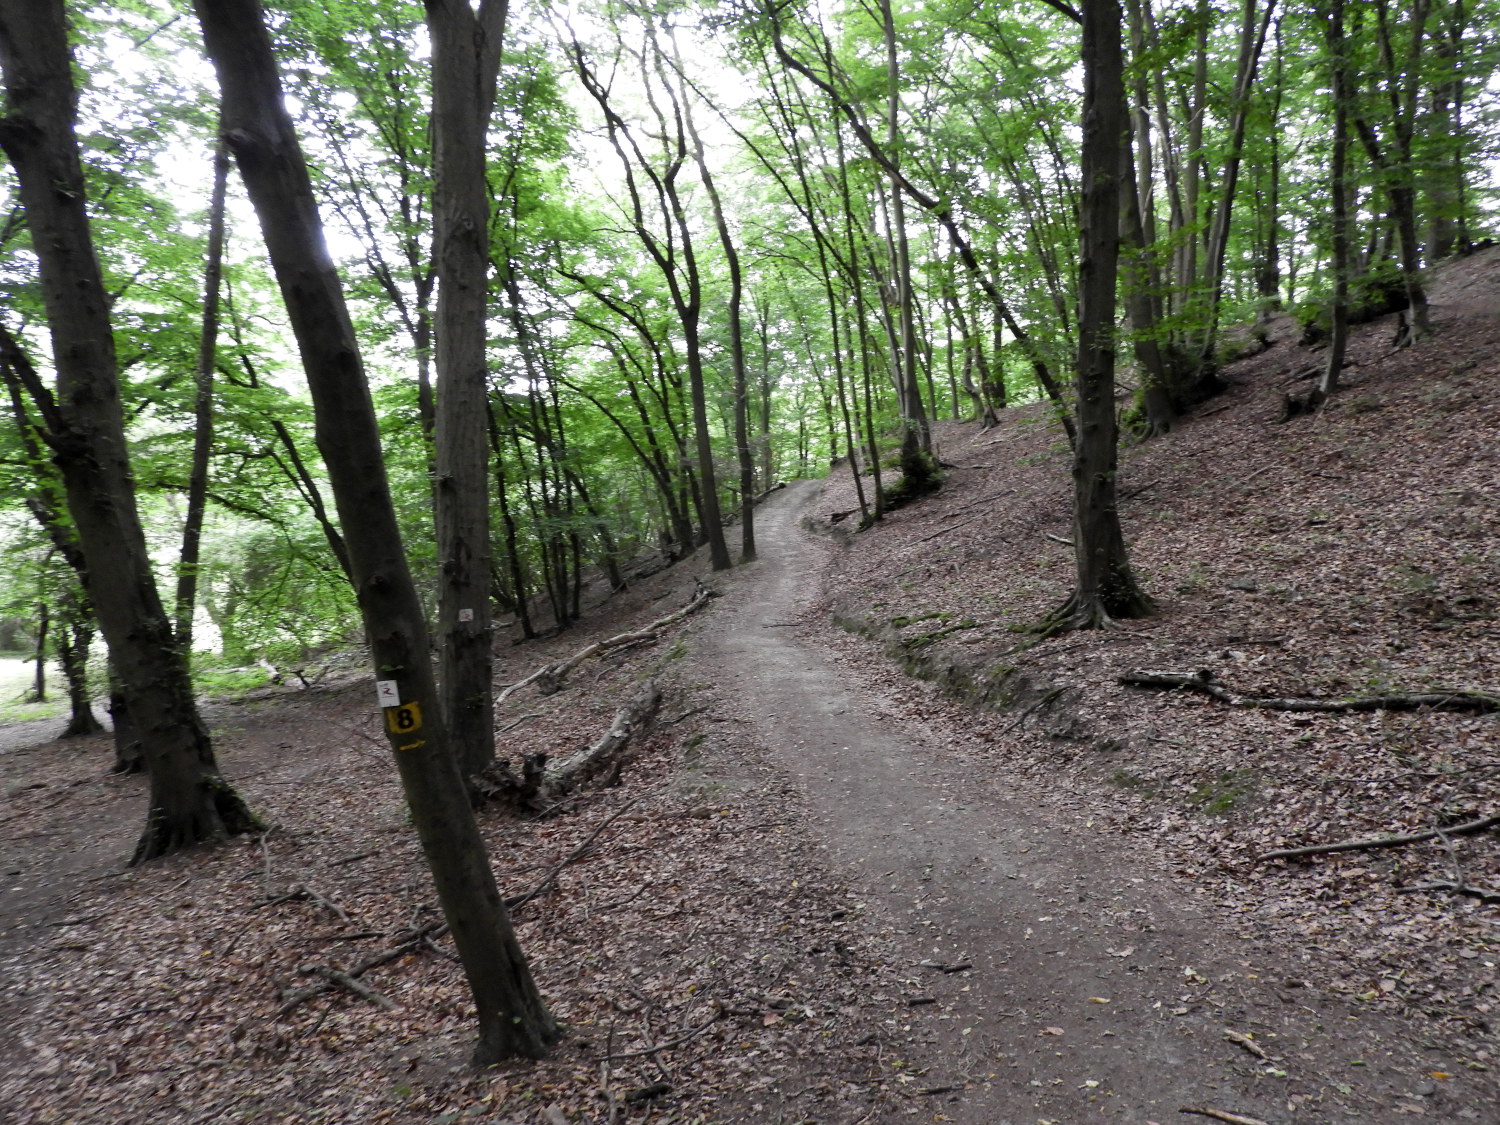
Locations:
(1099, 988)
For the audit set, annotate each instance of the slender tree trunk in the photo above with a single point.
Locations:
(1106, 585)
(1338, 191)
(203, 409)
(465, 50)
(190, 802)
(38, 692)
(741, 389)
(72, 645)
(513, 1020)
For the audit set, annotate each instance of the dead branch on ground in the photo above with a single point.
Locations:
(334, 978)
(551, 877)
(1466, 829)
(550, 677)
(1457, 887)
(1222, 1115)
(1204, 682)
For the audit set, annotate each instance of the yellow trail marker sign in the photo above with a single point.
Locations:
(404, 719)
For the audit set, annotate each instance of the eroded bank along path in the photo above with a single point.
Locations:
(1098, 989)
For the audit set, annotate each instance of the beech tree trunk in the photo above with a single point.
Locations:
(465, 56)
(1106, 584)
(190, 803)
(513, 1020)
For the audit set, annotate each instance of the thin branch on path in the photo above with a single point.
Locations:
(1466, 829)
(1222, 1115)
(647, 1052)
(1203, 682)
(415, 939)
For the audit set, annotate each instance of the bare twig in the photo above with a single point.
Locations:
(350, 984)
(670, 1043)
(1246, 1042)
(514, 723)
(555, 674)
(415, 938)
(1458, 887)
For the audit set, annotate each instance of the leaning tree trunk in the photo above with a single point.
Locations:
(513, 1020)
(190, 803)
(1106, 585)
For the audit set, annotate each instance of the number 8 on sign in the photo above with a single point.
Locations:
(404, 719)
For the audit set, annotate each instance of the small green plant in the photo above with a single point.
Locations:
(1194, 580)
(1134, 782)
(1224, 793)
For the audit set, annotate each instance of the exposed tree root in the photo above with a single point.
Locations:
(551, 678)
(1203, 681)
(1468, 828)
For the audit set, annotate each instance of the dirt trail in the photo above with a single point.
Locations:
(1099, 989)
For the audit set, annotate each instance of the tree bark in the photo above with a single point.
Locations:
(513, 1020)
(464, 45)
(190, 802)
(1106, 585)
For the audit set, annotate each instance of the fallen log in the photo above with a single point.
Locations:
(550, 678)
(543, 782)
(1204, 683)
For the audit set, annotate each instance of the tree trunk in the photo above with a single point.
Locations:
(1106, 585)
(513, 1020)
(38, 693)
(1338, 191)
(464, 46)
(203, 410)
(190, 803)
(72, 646)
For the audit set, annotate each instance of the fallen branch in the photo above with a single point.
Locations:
(1466, 829)
(1246, 1042)
(550, 677)
(951, 527)
(1222, 1115)
(414, 940)
(646, 1052)
(1203, 682)
(350, 984)
(1458, 887)
(551, 877)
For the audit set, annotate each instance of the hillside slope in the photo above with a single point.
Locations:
(1354, 552)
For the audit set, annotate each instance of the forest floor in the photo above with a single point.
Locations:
(1010, 890)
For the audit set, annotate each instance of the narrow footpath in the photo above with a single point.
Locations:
(1099, 990)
